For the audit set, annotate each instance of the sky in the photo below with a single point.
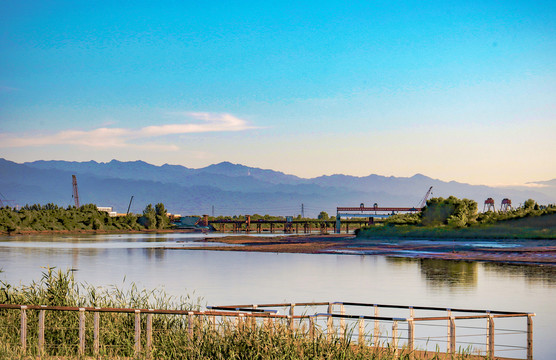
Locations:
(455, 90)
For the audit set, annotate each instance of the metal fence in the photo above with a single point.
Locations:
(416, 328)
(413, 329)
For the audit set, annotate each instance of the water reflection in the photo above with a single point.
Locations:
(444, 273)
(533, 274)
(441, 273)
(154, 253)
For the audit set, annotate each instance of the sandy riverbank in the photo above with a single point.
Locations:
(512, 251)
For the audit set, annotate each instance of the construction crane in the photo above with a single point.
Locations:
(129, 206)
(75, 193)
(424, 201)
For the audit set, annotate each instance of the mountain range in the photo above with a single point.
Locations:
(232, 189)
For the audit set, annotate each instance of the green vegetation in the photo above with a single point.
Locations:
(51, 217)
(453, 217)
(171, 336)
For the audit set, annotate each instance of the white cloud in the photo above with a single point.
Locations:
(130, 138)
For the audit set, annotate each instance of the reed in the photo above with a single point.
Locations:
(173, 336)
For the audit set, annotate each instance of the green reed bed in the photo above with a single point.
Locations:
(173, 336)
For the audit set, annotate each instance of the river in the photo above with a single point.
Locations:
(245, 277)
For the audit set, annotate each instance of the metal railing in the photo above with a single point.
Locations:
(463, 330)
(363, 323)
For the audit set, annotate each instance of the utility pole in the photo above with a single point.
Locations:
(212, 210)
(303, 211)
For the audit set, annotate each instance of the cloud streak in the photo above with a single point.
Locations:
(104, 137)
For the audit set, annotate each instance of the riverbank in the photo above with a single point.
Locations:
(540, 227)
(511, 251)
(517, 251)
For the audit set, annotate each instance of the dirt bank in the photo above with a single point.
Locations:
(526, 252)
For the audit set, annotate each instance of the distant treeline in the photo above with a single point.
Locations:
(460, 213)
(453, 217)
(51, 217)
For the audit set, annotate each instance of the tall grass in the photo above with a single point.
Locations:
(172, 336)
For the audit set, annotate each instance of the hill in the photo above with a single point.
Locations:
(230, 188)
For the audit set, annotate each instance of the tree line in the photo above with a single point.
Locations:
(460, 213)
(51, 217)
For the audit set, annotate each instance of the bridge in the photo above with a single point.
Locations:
(369, 212)
(288, 225)
(375, 212)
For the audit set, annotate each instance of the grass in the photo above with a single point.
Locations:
(542, 227)
(172, 338)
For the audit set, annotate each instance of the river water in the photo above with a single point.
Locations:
(232, 277)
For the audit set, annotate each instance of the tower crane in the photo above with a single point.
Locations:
(424, 201)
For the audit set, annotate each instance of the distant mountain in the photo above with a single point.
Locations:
(547, 187)
(230, 188)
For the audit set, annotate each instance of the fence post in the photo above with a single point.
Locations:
(395, 337)
(137, 332)
(361, 333)
(376, 332)
(291, 320)
(96, 331)
(23, 334)
(490, 336)
(530, 336)
(342, 322)
(240, 322)
(330, 328)
(330, 323)
(41, 331)
(190, 324)
(312, 327)
(149, 332)
(81, 331)
(452, 333)
(271, 325)
(410, 335)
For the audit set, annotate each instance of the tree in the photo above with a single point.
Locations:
(451, 211)
(323, 216)
(149, 217)
(529, 204)
(162, 219)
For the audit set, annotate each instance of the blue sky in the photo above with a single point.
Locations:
(455, 90)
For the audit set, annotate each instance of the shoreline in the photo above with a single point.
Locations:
(458, 249)
(513, 251)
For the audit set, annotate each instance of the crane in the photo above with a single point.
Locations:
(75, 193)
(130, 200)
(424, 201)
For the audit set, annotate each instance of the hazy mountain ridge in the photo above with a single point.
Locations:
(230, 188)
